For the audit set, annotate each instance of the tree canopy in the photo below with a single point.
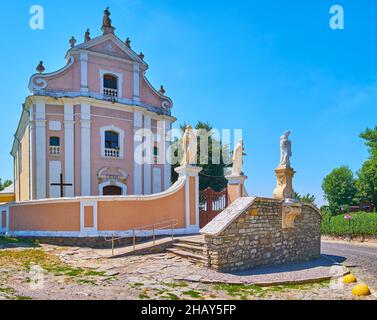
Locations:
(212, 175)
(6, 184)
(340, 188)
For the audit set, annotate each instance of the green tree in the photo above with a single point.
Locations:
(367, 175)
(339, 188)
(4, 185)
(370, 137)
(308, 198)
(212, 175)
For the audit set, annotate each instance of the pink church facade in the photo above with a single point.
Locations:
(89, 122)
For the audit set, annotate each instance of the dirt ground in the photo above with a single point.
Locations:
(32, 272)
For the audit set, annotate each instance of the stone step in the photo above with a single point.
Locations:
(192, 242)
(199, 250)
(195, 258)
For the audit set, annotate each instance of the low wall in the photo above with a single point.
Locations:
(89, 217)
(251, 233)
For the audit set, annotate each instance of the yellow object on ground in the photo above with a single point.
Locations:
(361, 290)
(350, 278)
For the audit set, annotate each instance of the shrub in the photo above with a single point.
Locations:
(363, 224)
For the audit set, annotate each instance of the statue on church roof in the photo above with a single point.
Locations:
(72, 41)
(106, 23)
(40, 67)
(141, 56)
(285, 150)
(128, 43)
(106, 18)
(87, 35)
(162, 90)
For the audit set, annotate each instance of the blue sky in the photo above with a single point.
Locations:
(261, 66)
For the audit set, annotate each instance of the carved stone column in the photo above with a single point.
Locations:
(284, 185)
(236, 187)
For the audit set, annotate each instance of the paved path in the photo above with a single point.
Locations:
(360, 258)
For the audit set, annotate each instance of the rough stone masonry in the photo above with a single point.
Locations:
(252, 232)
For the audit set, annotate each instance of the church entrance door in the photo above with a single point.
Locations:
(112, 191)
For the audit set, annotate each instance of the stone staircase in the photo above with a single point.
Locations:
(190, 248)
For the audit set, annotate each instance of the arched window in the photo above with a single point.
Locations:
(112, 142)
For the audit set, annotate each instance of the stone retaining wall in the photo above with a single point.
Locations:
(256, 237)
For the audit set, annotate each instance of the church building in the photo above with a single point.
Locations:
(82, 127)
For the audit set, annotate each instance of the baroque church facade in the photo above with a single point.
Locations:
(84, 128)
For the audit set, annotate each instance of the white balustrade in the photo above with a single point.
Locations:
(112, 153)
(55, 150)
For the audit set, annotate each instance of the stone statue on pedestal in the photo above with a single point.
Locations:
(106, 23)
(106, 18)
(238, 159)
(190, 147)
(285, 150)
(284, 172)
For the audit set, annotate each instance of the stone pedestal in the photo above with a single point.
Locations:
(191, 175)
(284, 188)
(107, 30)
(236, 187)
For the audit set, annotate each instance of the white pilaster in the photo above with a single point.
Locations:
(84, 71)
(55, 168)
(31, 155)
(40, 149)
(136, 82)
(69, 160)
(167, 155)
(138, 153)
(148, 154)
(187, 172)
(85, 150)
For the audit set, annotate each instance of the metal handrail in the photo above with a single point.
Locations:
(149, 227)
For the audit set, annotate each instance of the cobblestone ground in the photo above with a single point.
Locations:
(53, 272)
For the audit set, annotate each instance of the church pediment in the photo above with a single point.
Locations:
(110, 45)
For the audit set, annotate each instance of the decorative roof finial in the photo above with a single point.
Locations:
(141, 56)
(128, 43)
(87, 35)
(162, 90)
(40, 67)
(106, 23)
(72, 41)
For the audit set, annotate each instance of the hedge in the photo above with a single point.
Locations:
(363, 224)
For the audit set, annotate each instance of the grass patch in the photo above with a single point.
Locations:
(171, 296)
(21, 242)
(243, 292)
(24, 259)
(175, 285)
(193, 294)
(144, 296)
(23, 298)
(137, 285)
(7, 290)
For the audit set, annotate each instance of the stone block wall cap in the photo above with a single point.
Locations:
(236, 178)
(189, 169)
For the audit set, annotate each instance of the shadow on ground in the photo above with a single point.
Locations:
(324, 261)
